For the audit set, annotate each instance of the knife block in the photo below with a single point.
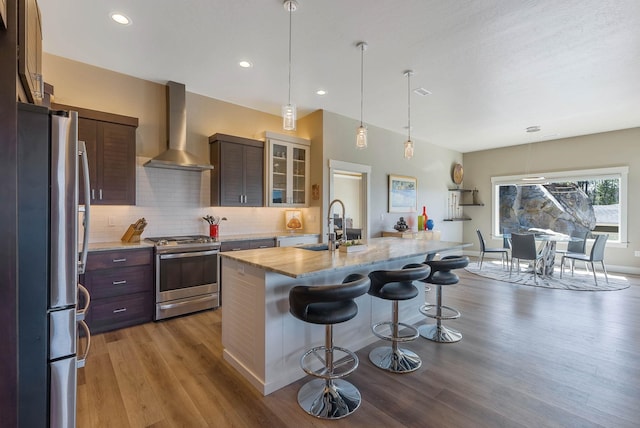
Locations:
(131, 235)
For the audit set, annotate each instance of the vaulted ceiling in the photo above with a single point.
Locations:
(493, 67)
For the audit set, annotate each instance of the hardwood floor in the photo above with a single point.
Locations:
(529, 357)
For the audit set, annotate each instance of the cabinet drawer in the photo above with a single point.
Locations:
(292, 241)
(118, 312)
(119, 258)
(248, 244)
(235, 245)
(118, 282)
(262, 243)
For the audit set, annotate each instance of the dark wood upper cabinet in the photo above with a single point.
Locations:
(237, 179)
(111, 149)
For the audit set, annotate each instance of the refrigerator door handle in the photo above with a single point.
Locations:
(80, 362)
(81, 312)
(82, 148)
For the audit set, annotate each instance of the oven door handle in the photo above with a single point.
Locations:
(189, 254)
(166, 306)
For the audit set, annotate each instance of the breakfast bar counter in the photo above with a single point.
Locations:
(264, 342)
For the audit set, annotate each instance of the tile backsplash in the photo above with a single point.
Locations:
(174, 202)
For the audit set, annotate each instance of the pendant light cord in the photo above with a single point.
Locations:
(409, 102)
(361, 81)
(290, 13)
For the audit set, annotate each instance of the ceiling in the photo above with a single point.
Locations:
(493, 67)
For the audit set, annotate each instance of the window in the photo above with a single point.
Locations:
(565, 202)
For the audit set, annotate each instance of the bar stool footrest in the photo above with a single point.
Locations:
(412, 334)
(342, 366)
(427, 308)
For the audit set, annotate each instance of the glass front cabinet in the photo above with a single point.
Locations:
(288, 170)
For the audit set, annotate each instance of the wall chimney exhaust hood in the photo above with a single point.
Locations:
(176, 156)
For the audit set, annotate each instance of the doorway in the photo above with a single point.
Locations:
(349, 182)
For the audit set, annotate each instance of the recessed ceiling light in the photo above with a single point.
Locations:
(120, 18)
(245, 64)
(422, 91)
(321, 92)
(534, 128)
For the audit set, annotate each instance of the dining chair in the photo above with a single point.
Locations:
(577, 245)
(506, 238)
(504, 252)
(595, 255)
(523, 246)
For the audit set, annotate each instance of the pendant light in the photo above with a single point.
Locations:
(408, 145)
(361, 132)
(289, 110)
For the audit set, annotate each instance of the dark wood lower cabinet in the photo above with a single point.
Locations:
(247, 244)
(122, 311)
(121, 286)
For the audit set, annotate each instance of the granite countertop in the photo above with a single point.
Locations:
(276, 235)
(298, 262)
(118, 245)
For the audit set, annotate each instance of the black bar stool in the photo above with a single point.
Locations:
(329, 396)
(441, 275)
(396, 285)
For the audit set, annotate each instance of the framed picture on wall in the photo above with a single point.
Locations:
(403, 194)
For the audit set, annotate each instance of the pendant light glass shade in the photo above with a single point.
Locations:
(408, 145)
(361, 137)
(408, 149)
(289, 115)
(361, 132)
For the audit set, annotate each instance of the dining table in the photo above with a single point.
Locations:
(548, 239)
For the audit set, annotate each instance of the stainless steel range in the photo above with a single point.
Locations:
(186, 274)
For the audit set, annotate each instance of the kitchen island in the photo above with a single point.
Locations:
(264, 342)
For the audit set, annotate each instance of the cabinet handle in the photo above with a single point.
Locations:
(117, 311)
(93, 194)
(100, 193)
(124, 281)
(122, 260)
(263, 246)
(236, 249)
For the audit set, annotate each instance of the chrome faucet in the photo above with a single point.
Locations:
(332, 234)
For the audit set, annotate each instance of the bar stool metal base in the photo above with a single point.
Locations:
(329, 399)
(398, 360)
(439, 333)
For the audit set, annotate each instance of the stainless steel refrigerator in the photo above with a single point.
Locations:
(50, 324)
